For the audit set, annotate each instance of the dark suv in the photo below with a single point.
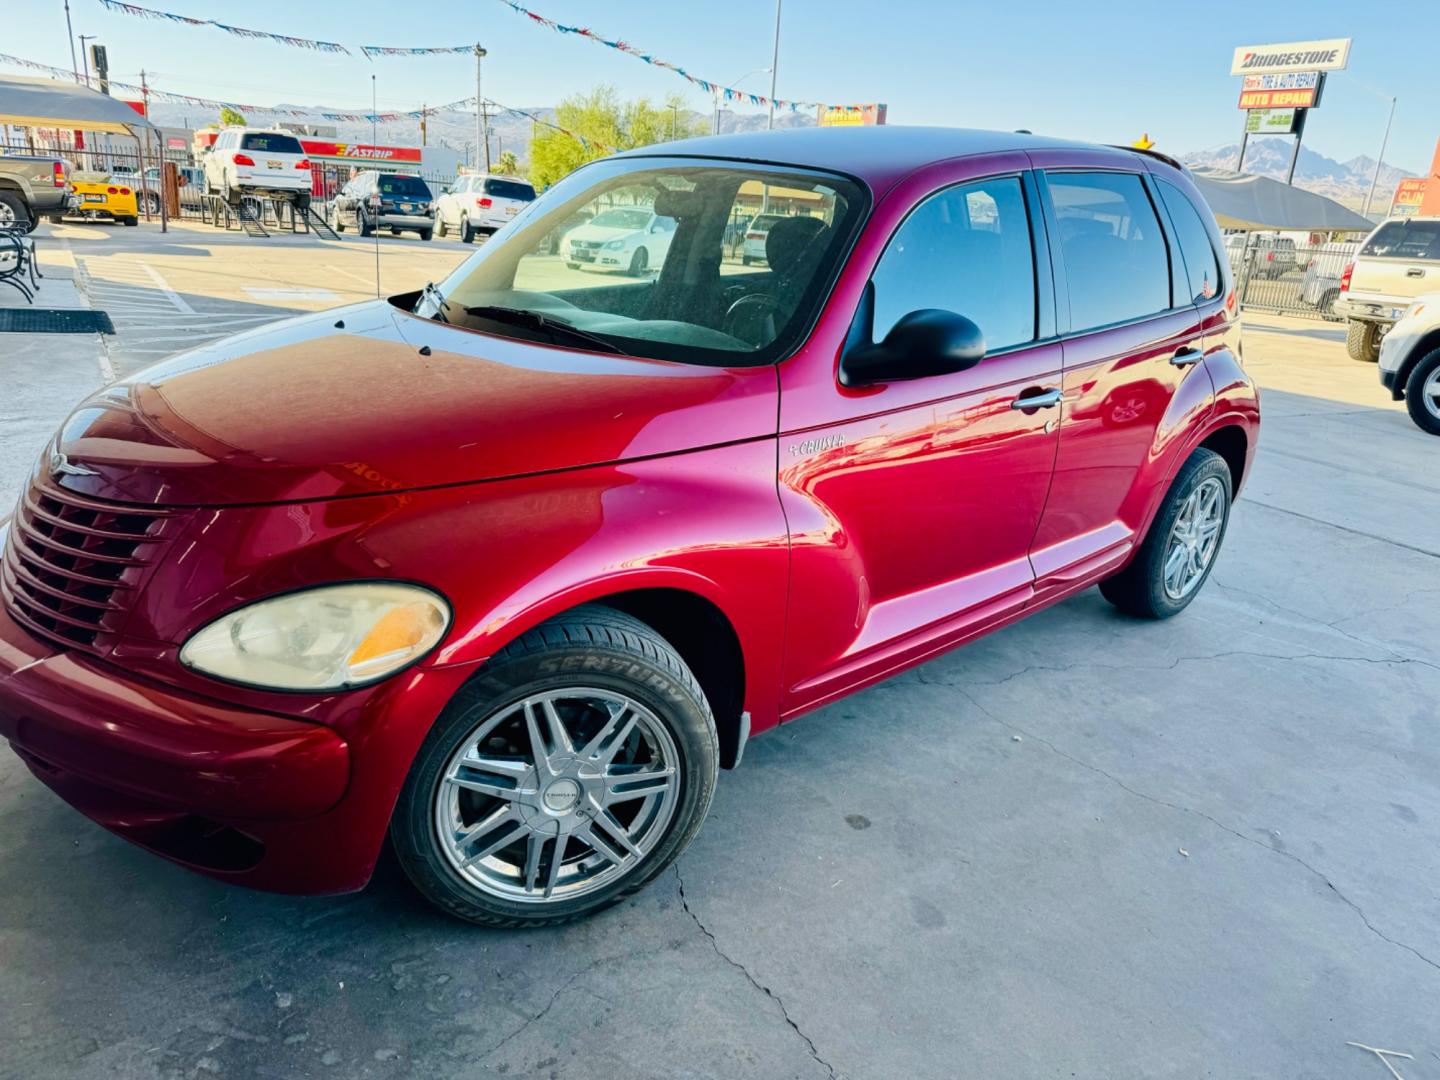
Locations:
(376, 200)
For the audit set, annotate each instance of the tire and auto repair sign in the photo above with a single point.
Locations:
(1290, 90)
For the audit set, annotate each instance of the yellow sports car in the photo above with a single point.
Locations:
(100, 196)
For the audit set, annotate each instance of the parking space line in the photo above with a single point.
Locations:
(164, 286)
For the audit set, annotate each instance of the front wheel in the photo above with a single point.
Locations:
(1362, 341)
(440, 228)
(639, 262)
(1422, 393)
(567, 775)
(1179, 551)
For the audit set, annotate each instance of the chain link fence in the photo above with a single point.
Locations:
(1278, 274)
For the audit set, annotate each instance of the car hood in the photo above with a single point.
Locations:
(600, 233)
(369, 399)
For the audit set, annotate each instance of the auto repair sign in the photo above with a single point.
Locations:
(1330, 55)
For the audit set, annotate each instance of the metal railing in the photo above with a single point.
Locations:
(1277, 274)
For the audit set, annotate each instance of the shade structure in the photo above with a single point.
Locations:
(27, 102)
(1253, 203)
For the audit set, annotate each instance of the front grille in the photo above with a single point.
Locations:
(72, 565)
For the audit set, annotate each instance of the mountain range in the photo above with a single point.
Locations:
(1344, 181)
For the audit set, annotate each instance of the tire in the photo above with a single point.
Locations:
(639, 262)
(440, 229)
(152, 204)
(1362, 341)
(573, 266)
(336, 221)
(1141, 589)
(589, 651)
(1421, 399)
(56, 219)
(467, 231)
(14, 213)
(302, 203)
(130, 221)
(230, 196)
(426, 234)
(362, 223)
(1327, 301)
(745, 260)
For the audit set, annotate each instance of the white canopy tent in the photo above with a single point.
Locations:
(28, 102)
(1256, 203)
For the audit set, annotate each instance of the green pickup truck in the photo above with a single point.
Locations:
(32, 187)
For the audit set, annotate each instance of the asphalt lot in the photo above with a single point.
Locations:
(1085, 846)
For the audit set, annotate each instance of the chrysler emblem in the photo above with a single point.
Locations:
(60, 465)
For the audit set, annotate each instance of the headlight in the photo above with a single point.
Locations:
(327, 638)
(615, 245)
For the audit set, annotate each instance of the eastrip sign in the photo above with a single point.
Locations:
(1330, 55)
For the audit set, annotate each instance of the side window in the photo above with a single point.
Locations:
(966, 249)
(1201, 265)
(1116, 264)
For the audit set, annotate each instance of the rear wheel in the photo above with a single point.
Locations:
(130, 220)
(1422, 393)
(467, 231)
(1362, 341)
(564, 777)
(1179, 551)
(426, 234)
(362, 223)
(13, 213)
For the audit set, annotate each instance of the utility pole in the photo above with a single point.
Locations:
(1375, 179)
(424, 134)
(774, 66)
(70, 33)
(160, 166)
(84, 57)
(482, 122)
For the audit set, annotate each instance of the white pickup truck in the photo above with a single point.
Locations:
(1398, 261)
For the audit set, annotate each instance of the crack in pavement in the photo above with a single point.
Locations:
(1351, 904)
(714, 944)
(1343, 528)
(539, 1015)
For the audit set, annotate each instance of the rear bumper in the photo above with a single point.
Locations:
(405, 221)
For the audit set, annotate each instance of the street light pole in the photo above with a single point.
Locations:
(482, 122)
(717, 91)
(774, 66)
(1384, 142)
(70, 33)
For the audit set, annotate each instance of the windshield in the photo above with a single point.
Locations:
(406, 186)
(642, 254)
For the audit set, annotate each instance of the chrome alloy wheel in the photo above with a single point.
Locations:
(1194, 538)
(557, 795)
(1430, 394)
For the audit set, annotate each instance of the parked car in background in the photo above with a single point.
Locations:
(554, 241)
(1270, 256)
(753, 249)
(191, 180)
(1398, 261)
(1410, 361)
(507, 569)
(33, 186)
(375, 200)
(101, 196)
(258, 163)
(634, 239)
(481, 203)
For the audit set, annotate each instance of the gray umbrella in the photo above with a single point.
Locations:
(27, 102)
(1243, 201)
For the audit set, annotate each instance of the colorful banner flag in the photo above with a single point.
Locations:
(390, 50)
(238, 31)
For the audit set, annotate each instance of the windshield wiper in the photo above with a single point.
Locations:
(437, 297)
(534, 320)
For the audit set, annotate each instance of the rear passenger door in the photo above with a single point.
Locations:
(1132, 345)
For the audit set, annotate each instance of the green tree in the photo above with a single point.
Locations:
(509, 164)
(231, 117)
(606, 123)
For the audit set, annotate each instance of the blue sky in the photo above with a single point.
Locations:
(1104, 71)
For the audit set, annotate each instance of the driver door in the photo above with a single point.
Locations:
(912, 505)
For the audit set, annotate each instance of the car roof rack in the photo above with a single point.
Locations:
(1174, 163)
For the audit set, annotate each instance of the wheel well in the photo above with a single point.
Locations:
(1422, 349)
(705, 640)
(1230, 443)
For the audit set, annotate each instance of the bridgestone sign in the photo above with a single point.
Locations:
(1292, 56)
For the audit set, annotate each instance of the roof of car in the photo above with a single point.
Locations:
(867, 152)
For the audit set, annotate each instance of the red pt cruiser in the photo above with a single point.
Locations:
(508, 568)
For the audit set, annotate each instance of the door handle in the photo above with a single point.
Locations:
(1415, 271)
(1046, 399)
(1187, 356)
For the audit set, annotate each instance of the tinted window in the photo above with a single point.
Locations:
(1116, 264)
(272, 144)
(407, 187)
(1200, 262)
(1405, 240)
(967, 250)
(509, 189)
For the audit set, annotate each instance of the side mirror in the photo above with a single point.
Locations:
(923, 343)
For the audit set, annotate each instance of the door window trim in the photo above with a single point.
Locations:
(1065, 320)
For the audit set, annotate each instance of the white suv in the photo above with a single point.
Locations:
(1410, 361)
(480, 203)
(1399, 261)
(260, 162)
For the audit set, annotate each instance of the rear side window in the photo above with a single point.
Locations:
(968, 250)
(1116, 264)
(1201, 265)
(1405, 240)
(510, 189)
(271, 144)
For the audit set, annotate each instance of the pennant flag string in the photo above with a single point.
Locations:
(238, 31)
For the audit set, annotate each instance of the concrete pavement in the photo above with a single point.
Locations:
(1085, 846)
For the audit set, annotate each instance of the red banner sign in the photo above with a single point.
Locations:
(1278, 99)
(359, 152)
